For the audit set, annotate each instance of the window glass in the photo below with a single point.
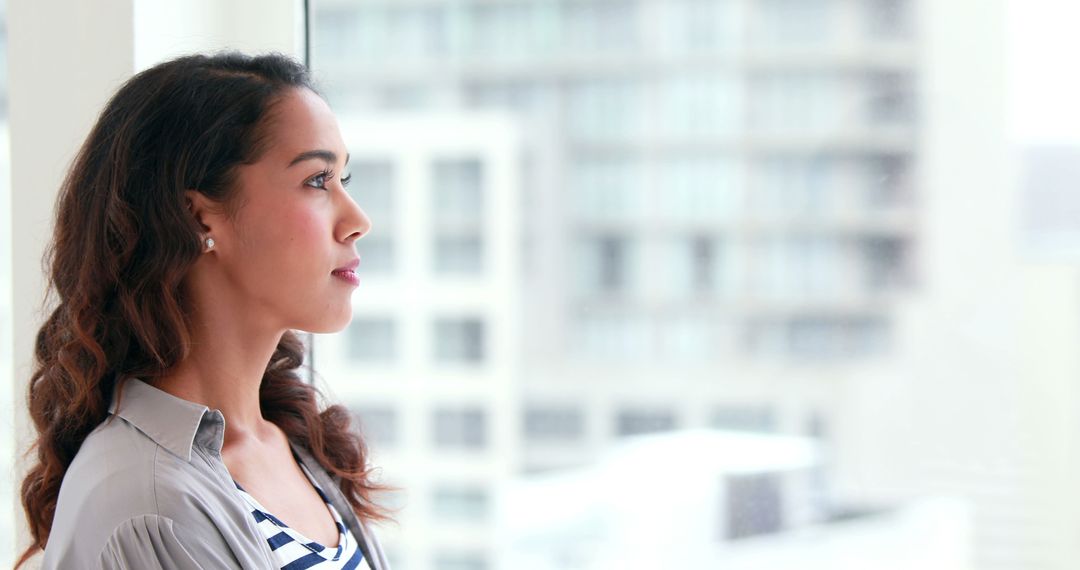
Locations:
(778, 258)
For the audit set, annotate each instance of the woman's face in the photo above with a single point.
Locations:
(295, 223)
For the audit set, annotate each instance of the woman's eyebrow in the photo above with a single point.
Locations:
(326, 155)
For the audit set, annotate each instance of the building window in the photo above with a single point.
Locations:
(372, 187)
(459, 340)
(744, 418)
(889, 99)
(689, 338)
(634, 422)
(612, 258)
(398, 31)
(765, 338)
(698, 189)
(888, 19)
(372, 339)
(887, 182)
(692, 266)
(618, 337)
(460, 428)
(699, 106)
(791, 185)
(378, 424)
(335, 39)
(836, 337)
(376, 254)
(511, 95)
(502, 30)
(551, 424)
(796, 103)
(460, 502)
(787, 22)
(599, 26)
(458, 191)
(698, 26)
(461, 254)
(607, 189)
(753, 505)
(884, 263)
(799, 268)
(605, 109)
(607, 263)
(704, 257)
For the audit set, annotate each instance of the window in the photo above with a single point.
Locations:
(884, 263)
(698, 188)
(753, 505)
(378, 424)
(703, 252)
(695, 106)
(788, 185)
(504, 30)
(458, 191)
(372, 187)
(460, 502)
(460, 428)
(605, 110)
(599, 25)
(376, 251)
(337, 37)
(611, 337)
(743, 418)
(637, 421)
(800, 268)
(693, 265)
(887, 181)
(459, 340)
(372, 339)
(607, 263)
(796, 103)
(690, 339)
(512, 95)
(889, 99)
(553, 423)
(459, 254)
(836, 337)
(412, 32)
(607, 189)
(793, 22)
(699, 26)
(888, 19)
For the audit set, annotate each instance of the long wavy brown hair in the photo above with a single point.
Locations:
(124, 240)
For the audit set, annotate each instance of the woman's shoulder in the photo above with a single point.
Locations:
(121, 476)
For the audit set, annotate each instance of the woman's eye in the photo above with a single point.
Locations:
(346, 179)
(319, 180)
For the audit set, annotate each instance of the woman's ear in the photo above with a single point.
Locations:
(201, 208)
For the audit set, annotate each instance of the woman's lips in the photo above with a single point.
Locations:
(347, 275)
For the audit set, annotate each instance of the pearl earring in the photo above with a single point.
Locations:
(209, 243)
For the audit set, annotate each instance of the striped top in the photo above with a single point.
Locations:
(292, 550)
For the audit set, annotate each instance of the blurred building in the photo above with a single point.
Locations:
(715, 211)
(705, 499)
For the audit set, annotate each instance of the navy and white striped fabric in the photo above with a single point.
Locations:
(293, 551)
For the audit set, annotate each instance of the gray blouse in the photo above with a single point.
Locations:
(148, 490)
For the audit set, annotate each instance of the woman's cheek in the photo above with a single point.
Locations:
(308, 232)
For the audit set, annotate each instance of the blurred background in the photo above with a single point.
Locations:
(705, 284)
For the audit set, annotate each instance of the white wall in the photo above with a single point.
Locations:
(65, 58)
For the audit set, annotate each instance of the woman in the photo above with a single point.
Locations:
(204, 219)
